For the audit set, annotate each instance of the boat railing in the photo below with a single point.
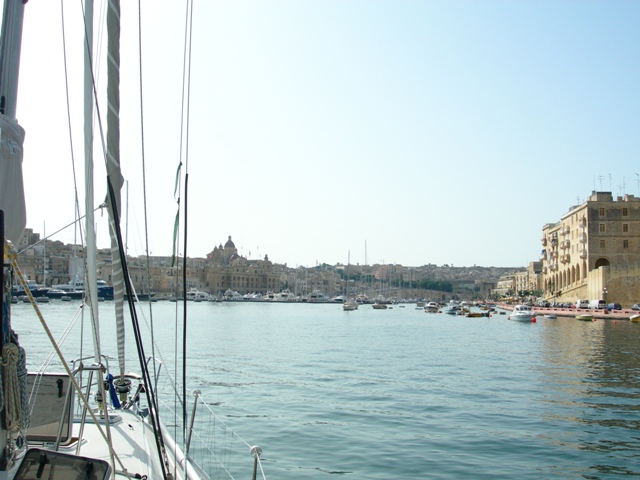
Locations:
(211, 446)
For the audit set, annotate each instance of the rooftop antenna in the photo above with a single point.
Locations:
(638, 182)
(600, 177)
(610, 189)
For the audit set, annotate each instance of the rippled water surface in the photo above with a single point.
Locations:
(399, 393)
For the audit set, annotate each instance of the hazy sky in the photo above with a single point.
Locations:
(431, 131)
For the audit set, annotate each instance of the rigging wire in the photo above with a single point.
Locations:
(66, 83)
(144, 196)
(187, 78)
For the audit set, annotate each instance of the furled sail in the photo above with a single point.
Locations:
(11, 187)
(11, 134)
(114, 173)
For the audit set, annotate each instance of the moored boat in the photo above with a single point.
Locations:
(317, 297)
(584, 317)
(431, 307)
(350, 305)
(523, 313)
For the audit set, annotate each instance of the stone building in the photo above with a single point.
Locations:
(225, 269)
(593, 251)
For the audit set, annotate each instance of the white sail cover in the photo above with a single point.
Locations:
(11, 187)
(113, 168)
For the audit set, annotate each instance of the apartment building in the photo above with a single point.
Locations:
(593, 251)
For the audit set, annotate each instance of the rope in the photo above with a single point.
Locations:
(10, 358)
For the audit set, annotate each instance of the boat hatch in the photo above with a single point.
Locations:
(51, 408)
(40, 463)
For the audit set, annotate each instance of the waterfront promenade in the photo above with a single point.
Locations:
(623, 314)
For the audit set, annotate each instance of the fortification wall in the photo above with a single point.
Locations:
(621, 281)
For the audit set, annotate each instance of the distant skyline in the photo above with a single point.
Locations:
(436, 132)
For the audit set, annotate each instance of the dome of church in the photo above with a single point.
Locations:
(229, 243)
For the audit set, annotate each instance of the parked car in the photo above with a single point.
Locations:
(636, 306)
(614, 306)
(582, 304)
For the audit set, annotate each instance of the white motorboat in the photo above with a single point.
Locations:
(350, 305)
(287, 296)
(317, 297)
(431, 307)
(196, 295)
(232, 296)
(523, 313)
(269, 297)
(451, 308)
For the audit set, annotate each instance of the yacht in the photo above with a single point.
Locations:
(269, 297)
(431, 307)
(196, 295)
(286, 296)
(317, 297)
(523, 313)
(232, 296)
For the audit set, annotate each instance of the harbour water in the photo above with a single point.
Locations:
(399, 393)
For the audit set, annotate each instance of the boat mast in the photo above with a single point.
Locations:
(91, 277)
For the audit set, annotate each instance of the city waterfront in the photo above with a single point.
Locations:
(400, 393)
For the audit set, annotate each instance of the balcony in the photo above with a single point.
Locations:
(544, 242)
(583, 238)
(566, 243)
(583, 254)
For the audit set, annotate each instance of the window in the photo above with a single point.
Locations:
(601, 243)
(602, 229)
(601, 212)
(625, 212)
(625, 244)
(625, 227)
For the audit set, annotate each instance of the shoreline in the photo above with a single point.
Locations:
(572, 312)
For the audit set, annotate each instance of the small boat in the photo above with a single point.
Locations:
(431, 307)
(350, 306)
(584, 317)
(551, 316)
(380, 306)
(477, 314)
(451, 309)
(635, 318)
(523, 313)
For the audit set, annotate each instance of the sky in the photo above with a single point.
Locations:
(409, 132)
